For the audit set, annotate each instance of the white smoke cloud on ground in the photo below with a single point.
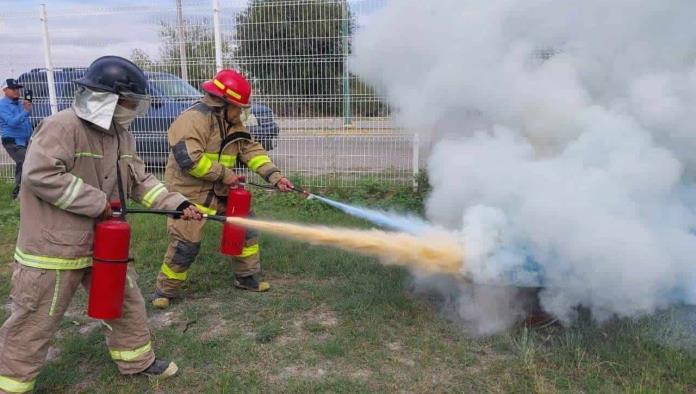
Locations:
(565, 140)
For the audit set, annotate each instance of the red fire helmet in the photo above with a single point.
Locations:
(230, 86)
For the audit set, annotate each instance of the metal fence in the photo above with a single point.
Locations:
(332, 127)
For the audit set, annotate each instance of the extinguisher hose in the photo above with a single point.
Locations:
(171, 212)
(269, 187)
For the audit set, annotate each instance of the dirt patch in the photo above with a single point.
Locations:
(322, 316)
(296, 371)
(486, 358)
(164, 319)
(312, 324)
(360, 374)
(327, 318)
(215, 329)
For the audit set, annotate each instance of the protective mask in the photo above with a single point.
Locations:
(248, 119)
(244, 114)
(124, 116)
(95, 107)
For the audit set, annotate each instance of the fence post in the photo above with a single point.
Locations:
(346, 75)
(49, 62)
(217, 35)
(416, 159)
(182, 43)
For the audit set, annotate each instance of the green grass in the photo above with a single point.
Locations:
(338, 322)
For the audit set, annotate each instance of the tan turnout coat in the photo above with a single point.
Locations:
(204, 150)
(69, 175)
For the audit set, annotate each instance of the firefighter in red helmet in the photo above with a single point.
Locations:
(207, 140)
(77, 161)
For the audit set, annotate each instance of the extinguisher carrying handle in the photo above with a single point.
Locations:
(174, 213)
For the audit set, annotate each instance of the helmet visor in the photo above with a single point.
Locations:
(139, 103)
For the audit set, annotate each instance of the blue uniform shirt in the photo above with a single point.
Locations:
(14, 121)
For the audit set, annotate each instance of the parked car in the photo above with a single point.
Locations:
(171, 95)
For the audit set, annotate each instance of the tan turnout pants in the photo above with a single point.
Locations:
(184, 244)
(40, 298)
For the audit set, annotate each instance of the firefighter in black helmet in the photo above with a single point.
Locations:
(70, 176)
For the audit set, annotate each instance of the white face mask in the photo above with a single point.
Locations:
(124, 116)
(248, 118)
(95, 107)
(244, 114)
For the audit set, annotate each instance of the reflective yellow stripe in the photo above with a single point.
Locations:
(56, 291)
(202, 167)
(70, 193)
(126, 156)
(171, 274)
(219, 84)
(229, 91)
(234, 94)
(249, 251)
(89, 154)
(228, 160)
(52, 263)
(15, 386)
(225, 160)
(256, 162)
(206, 210)
(130, 355)
(151, 196)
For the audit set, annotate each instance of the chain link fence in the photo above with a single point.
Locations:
(318, 120)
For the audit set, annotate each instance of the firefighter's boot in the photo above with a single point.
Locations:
(251, 282)
(161, 369)
(160, 301)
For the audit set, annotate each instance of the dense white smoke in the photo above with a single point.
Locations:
(564, 140)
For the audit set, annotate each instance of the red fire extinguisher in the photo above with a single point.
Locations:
(238, 204)
(109, 267)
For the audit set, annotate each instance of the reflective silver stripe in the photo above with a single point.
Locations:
(89, 154)
(70, 193)
(52, 263)
(151, 195)
(56, 292)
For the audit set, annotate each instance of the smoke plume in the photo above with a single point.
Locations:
(564, 142)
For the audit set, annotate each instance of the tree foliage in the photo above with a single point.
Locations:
(295, 51)
(292, 50)
(199, 46)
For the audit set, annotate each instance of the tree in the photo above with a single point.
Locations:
(142, 59)
(199, 45)
(295, 53)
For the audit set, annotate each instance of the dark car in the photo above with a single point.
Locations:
(171, 95)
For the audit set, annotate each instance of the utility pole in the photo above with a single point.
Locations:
(217, 34)
(180, 39)
(345, 31)
(52, 97)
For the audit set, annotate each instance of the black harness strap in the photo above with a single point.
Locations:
(121, 193)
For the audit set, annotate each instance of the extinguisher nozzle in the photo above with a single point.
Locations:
(216, 218)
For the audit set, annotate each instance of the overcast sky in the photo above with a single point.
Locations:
(81, 31)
